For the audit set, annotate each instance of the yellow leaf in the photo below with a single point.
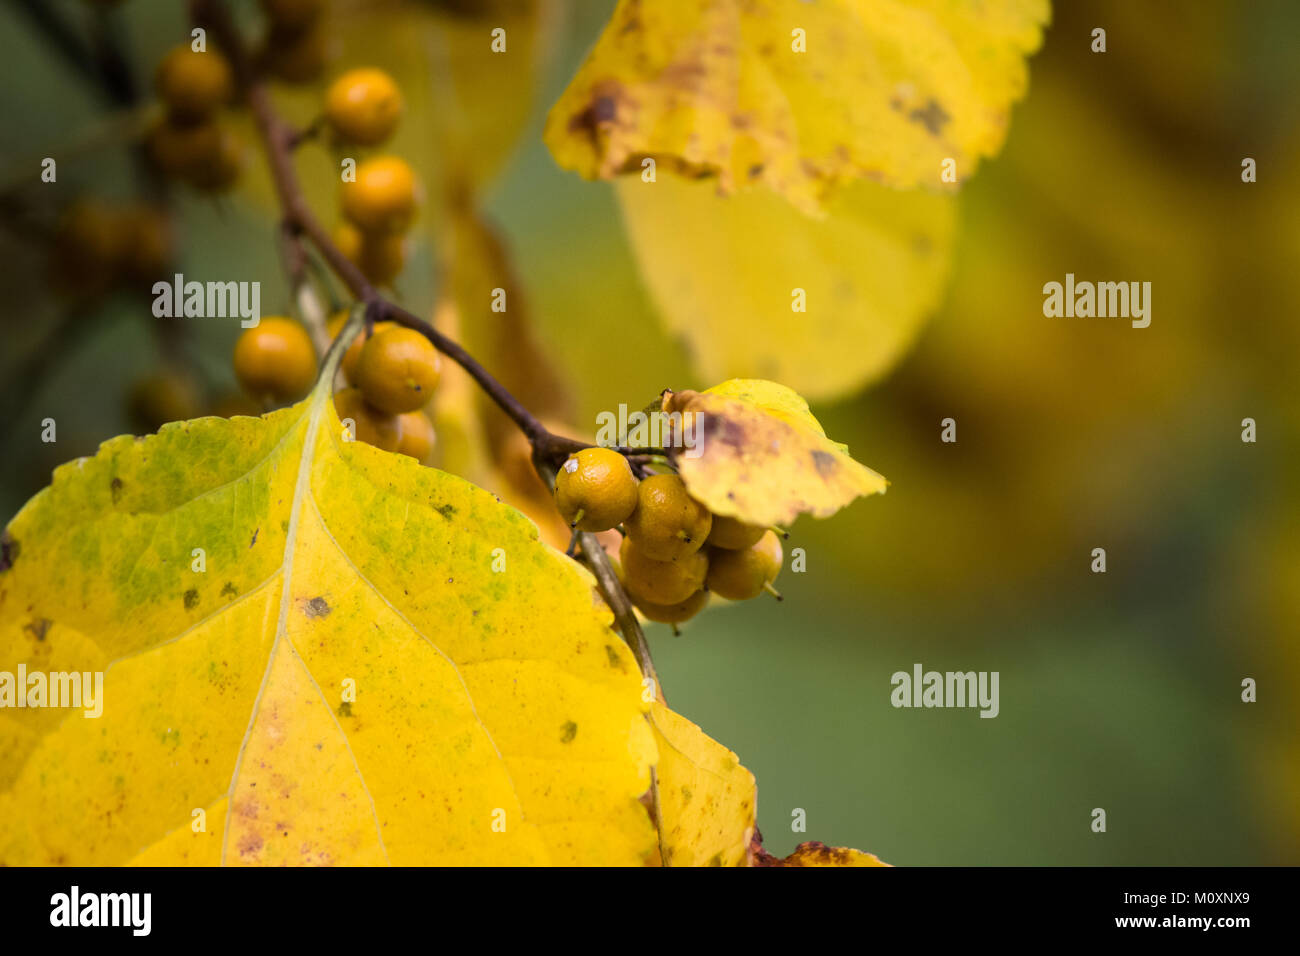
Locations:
(798, 97)
(349, 674)
(707, 800)
(760, 455)
(757, 289)
(813, 853)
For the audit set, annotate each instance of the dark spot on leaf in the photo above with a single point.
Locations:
(445, 510)
(316, 607)
(254, 541)
(932, 117)
(229, 589)
(686, 794)
(570, 730)
(191, 598)
(38, 627)
(115, 489)
(345, 709)
(715, 860)
(9, 551)
(825, 463)
(614, 659)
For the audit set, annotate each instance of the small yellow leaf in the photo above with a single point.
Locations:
(795, 96)
(328, 653)
(706, 798)
(755, 289)
(813, 853)
(760, 455)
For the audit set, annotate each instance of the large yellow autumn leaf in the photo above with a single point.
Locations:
(798, 97)
(754, 288)
(313, 652)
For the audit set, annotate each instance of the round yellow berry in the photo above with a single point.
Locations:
(418, 436)
(384, 197)
(398, 369)
(741, 575)
(193, 84)
(674, 613)
(661, 582)
(668, 523)
(369, 424)
(379, 256)
(595, 489)
(363, 106)
(732, 534)
(275, 360)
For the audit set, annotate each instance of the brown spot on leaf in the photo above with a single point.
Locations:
(191, 598)
(9, 551)
(229, 589)
(254, 541)
(38, 627)
(614, 659)
(932, 117)
(825, 463)
(569, 731)
(316, 607)
(115, 489)
(345, 709)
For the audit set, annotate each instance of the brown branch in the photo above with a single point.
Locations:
(279, 139)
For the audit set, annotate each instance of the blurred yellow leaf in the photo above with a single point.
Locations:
(760, 456)
(757, 289)
(706, 798)
(798, 97)
(814, 853)
(329, 653)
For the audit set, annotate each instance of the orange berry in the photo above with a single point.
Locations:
(379, 256)
(349, 361)
(166, 396)
(595, 489)
(418, 437)
(275, 360)
(384, 197)
(732, 534)
(369, 424)
(193, 84)
(741, 575)
(674, 613)
(363, 106)
(661, 582)
(668, 523)
(398, 370)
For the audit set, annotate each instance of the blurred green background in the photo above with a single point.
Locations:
(1119, 691)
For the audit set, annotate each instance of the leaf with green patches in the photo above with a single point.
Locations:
(706, 798)
(308, 657)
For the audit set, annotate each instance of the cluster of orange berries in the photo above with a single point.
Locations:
(100, 244)
(675, 552)
(391, 378)
(362, 107)
(189, 143)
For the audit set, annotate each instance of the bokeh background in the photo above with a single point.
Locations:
(1120, 690)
